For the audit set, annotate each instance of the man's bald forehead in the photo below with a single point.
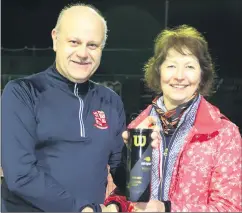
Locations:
(81, 11)
(78, 10)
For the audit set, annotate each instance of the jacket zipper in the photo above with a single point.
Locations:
(82, 128)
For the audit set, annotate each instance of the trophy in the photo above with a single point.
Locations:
(139, 161)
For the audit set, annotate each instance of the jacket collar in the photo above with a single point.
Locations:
(65, 84)
(208, 118)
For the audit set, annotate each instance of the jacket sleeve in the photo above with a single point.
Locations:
(225, 187)
(117, 158)
(20, 167)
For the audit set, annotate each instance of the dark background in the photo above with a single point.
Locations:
(133, 25)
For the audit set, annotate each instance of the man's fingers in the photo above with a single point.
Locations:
(112, 208)
(125, 136)
(87, 209)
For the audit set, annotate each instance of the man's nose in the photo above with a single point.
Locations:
(82, 52)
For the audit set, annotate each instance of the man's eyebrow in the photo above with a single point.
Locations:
(93, 41)
(72, 37)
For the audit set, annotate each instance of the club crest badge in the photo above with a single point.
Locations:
(100, 120)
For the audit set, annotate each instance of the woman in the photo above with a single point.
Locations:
(198, 165)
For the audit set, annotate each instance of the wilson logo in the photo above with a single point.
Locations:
(139, 140)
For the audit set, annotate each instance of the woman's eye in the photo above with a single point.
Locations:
(190, 67)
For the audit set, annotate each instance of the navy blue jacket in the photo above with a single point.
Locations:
(57, 139)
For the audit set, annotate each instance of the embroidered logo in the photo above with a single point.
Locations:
(100, 120)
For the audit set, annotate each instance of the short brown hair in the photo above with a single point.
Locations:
(179, 38)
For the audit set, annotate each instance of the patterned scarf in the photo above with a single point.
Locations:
(171, 118)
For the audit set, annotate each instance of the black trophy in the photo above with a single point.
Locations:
(139, 160)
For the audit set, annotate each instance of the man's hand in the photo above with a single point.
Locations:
(150, 123)
(151, 206)
(109, 208)
(87, 209)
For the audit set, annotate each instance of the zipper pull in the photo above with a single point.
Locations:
(75, 89)
(165, 152)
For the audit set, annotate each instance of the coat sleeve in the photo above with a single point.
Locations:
(20, 167)
(117, 160)
(225, 187)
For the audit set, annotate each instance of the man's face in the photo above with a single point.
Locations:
(78, 46)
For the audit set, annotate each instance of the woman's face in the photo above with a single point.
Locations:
(180, 76)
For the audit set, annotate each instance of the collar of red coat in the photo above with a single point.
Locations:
(208, 118)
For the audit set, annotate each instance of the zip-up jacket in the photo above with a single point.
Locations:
(57, 139)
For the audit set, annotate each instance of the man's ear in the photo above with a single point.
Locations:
(54, 38)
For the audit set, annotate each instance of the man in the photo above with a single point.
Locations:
(60, 129)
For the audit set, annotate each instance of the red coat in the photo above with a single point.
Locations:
(207, 173)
